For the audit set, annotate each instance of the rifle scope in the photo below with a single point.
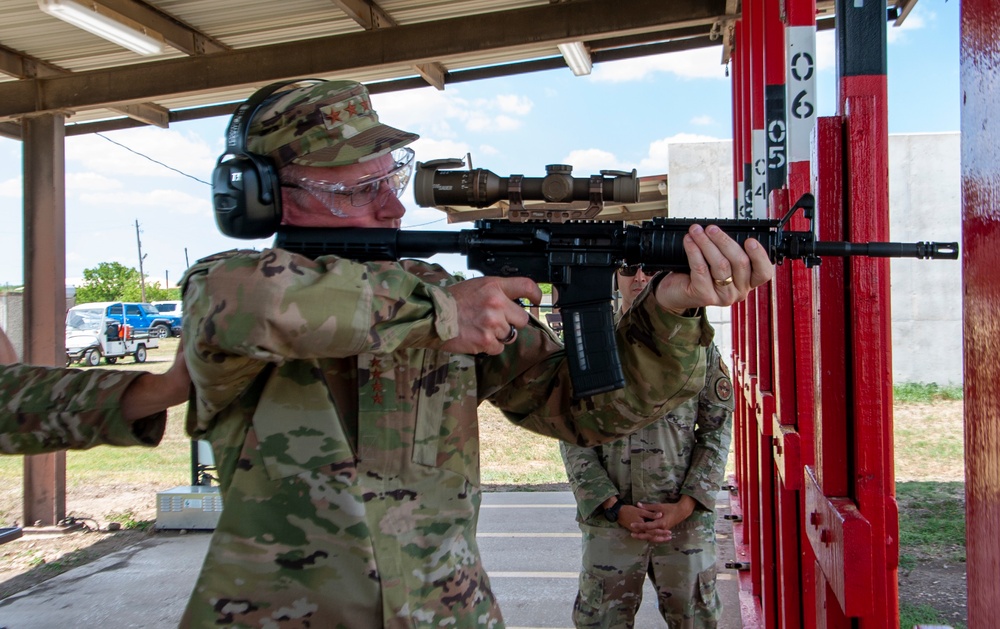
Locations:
(480, 188)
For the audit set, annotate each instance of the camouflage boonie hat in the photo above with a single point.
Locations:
(327, 124)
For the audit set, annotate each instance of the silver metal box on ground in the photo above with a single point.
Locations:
(188, 507)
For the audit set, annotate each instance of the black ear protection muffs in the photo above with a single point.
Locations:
(246, 190)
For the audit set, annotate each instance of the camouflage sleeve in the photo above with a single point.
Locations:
(662, 357)
(713, 432)
(588, 479)
(46, 409)
(246, 309)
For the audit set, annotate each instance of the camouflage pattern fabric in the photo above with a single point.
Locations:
(682, 570)
(347, 443)
(45, 409)
(325, 124)
(684, 453)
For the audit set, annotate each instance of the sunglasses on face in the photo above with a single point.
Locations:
(630, 270)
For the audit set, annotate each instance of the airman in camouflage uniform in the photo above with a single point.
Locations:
(45, 409)
(669, 469)
(343, 418)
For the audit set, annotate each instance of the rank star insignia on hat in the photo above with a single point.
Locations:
(331, 123)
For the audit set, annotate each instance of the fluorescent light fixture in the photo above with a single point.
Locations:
(103, 22)
(576, 55)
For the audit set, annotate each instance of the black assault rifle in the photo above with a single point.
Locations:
(580, 258)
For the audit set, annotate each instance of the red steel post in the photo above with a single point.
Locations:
(852, 522)
(862, 63)
(830, 321)
(760, 382)
(779, 400)
(796, 401)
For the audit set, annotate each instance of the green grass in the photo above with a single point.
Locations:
(512, 456)
(128, 521)
(931, 528)
(923, 392)
(932, 521)
(912, 615)
(524, 477)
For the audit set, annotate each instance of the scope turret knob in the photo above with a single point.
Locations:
(559, 169)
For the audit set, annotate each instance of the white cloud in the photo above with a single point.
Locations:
(687, 138)
(433, 113)
(130, 153)
(702, 120)
(82, 183)
(702, 63)
(428, 149)
(590, 161)
(514, 104)
(478, 121)
(425, 111)
(169, 200)
(486, 149)
(11, 188)
(914, 21)
(506, 123)
(587, 162)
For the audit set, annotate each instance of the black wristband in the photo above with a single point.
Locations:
(611, 513)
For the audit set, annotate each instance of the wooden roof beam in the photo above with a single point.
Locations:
(417, 43)
(371, 17)
(188, 40)
(22, 66)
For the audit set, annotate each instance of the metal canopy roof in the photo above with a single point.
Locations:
(221, 51)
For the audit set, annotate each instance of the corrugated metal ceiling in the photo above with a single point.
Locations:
(47, 65)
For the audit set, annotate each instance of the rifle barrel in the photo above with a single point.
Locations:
(922, 250)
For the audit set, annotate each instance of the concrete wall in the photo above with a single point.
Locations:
(12, 318)
(924, 204)
(12, 315)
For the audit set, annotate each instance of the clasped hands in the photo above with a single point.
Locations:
(722, 273)
(652, 522)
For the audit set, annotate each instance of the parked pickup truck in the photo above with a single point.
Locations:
(144, 318)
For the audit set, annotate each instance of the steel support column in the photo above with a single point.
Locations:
(44, 295)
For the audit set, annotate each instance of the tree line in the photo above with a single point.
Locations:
(113, 281)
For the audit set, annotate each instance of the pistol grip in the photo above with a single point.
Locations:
(591, 349)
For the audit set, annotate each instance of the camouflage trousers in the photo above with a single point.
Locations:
(682, 571)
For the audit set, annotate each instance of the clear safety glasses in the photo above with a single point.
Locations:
(366, 190)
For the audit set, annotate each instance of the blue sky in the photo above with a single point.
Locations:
(623, 116)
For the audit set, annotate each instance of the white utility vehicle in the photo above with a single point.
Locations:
(91, 335)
